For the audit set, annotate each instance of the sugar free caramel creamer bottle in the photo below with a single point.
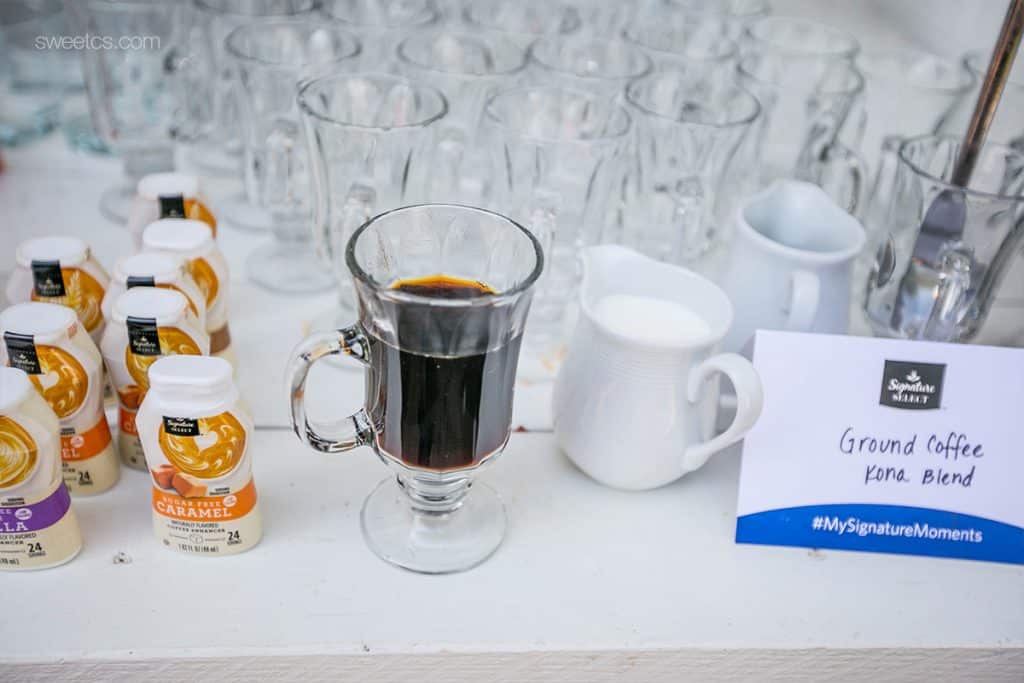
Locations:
(60, 270)
(196, 435)
(162, 270)
(38, 528)
(193, 241)
(145, 324)
(167, 195)
(48, 343)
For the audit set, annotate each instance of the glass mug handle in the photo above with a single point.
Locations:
(842, 174)
(953, 296)
(338, 435)
(749, 401)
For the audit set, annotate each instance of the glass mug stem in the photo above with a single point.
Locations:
(341, 435)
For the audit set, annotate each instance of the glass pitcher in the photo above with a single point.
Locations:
(945, 293)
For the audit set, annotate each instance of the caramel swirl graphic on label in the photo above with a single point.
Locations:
(173, 342)
(191, 304)
(215, 452)
(63, 381)
(196, 210)
(18, 453)
(83, 294)
(203, 274)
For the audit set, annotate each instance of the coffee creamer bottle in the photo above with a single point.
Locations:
(196, 436)
(167, 195)
(145, 324)
(156, 269)
(60, 270)
(193, 241)
(38, 528)
(62, 362)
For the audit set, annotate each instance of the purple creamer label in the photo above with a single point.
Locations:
(37, 516)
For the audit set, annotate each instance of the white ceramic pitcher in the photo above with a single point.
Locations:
(634, 408)
(791, 263)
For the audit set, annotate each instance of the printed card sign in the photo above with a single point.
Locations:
(886, 446)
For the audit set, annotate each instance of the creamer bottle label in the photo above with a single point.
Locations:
(38, 533)
(204, 498)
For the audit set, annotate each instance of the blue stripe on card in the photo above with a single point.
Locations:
(885, 529)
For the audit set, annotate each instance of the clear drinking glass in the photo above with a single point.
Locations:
(806, 102)
(690, 130)
(30, 90)
(137, 91)
(1008, 123)
(597, 65)
(468, 68)
(524, 20)
(944, 290)
(219, 149)
(678, 38)
(738, 13)
(443, 291)
(907, 93)
(380, 25)
(557, 153)
(369, 138)
(603, 19)
(272, 58)
(798, 38)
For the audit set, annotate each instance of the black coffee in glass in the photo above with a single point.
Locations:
(441, 412)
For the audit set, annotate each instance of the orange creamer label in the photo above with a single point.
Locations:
(84, 445)
(198, 211)
(83, 294)
(213, 508)
(126, 421)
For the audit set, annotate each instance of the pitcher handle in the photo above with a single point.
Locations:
(805, 294)
(337, 435)
(749, 401)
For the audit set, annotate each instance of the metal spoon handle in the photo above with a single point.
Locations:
(991, 90)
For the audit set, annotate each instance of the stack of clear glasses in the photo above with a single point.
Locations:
(642, 123)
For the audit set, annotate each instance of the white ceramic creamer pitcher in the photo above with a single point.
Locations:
(636, 397)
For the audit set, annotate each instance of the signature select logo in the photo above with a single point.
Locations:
(912, 386)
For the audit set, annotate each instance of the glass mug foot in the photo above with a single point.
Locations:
(238, 212)
(433, 542)
(289, 269)
(116, 203)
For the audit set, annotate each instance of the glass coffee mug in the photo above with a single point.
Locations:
(443, 294)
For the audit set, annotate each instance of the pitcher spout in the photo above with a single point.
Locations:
(607, 268)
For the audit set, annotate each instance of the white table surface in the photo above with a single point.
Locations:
(591, 584)
(651, 576)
